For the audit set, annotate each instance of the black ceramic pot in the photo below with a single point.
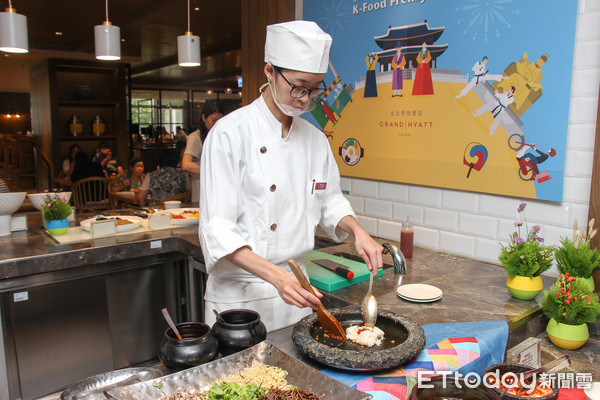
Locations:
(238, 329)
(198, 346)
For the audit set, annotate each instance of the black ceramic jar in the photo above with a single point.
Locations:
(198, 346)
(238, 329)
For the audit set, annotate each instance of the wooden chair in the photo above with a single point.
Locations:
(26, 161)
(91, 194)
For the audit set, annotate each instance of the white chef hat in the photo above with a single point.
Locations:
(298, 45)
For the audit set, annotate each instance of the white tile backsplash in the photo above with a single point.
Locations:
(477, 225)
(425, 196)
(389, 229)
(459, 201)
(364, 188)
(463, 245)
(426, 237)
(441, 219)
(378, 208)
(474, 224)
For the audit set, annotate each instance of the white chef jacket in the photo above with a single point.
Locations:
(267, 193)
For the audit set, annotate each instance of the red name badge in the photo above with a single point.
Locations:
(320, 185)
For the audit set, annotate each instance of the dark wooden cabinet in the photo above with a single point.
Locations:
(63, 88)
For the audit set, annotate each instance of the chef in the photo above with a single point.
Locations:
(267, 179)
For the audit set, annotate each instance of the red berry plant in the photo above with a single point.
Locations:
(570, 301)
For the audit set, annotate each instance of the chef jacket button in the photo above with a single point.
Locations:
(273, 227)
(263, 149)
(273, 187)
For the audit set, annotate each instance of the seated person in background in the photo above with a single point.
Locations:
(85, 168)
(132, 178)
(166, 181)
(180, 134)
(111, 165)
(68, 165)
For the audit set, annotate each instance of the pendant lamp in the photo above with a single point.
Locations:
(13, 31)
(188, 46)
(108, 40)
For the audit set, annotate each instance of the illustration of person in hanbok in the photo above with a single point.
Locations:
(371, 81)
(328, 112)
(398, 63)
(423, 84)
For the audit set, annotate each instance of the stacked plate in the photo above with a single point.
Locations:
(419, 293)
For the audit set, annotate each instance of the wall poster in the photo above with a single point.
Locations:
(463, 94)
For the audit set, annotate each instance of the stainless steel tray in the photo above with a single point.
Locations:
(92, 388)
(201, 377)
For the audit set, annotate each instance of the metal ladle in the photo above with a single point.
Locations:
(369, 305)
(167, 316)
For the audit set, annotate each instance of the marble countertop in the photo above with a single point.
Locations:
(472, 290)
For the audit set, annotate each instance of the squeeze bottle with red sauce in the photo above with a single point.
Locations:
(407, 238)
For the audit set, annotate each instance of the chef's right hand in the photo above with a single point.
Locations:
(294, 294)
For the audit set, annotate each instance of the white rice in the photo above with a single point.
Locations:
(365, 335)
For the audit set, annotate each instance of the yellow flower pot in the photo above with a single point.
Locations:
(568, 337)
(524, 287)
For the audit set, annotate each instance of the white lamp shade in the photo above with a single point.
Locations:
(108, 42)
(13, 33)
(188, 50)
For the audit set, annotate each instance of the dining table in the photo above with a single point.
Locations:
(128, 197)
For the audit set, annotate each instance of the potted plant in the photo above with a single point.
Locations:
(55, 212)
(524, 259)
(570, 305)
(575, 256)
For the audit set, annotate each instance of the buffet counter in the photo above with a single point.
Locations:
(472, 290)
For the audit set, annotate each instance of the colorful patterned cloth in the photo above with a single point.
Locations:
(464, 347)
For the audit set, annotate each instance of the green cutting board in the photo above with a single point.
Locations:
(324, 279)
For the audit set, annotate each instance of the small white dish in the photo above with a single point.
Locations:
(169, 205)
(419, 292)
(593, 393)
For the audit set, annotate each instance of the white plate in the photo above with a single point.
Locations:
(136, 221)
(175, 211)
(593, 393)
(419, 292)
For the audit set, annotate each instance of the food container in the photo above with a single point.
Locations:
(447, 387)
(98, 126)
(501, 369)
(198, 346)
(238, 329)
(75, 126)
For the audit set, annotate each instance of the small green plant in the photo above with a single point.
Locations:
(526, 256)
(55, 208)
(575, 255)
(570, 301)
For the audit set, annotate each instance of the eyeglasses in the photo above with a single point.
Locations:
(300, 91)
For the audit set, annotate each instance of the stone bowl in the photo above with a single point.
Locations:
(403, 339)
(37, 199)
(501, 369)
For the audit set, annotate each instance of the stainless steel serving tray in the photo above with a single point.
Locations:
(201, 377)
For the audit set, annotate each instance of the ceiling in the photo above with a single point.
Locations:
(149, 30)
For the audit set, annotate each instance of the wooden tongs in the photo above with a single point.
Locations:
(330, 324)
